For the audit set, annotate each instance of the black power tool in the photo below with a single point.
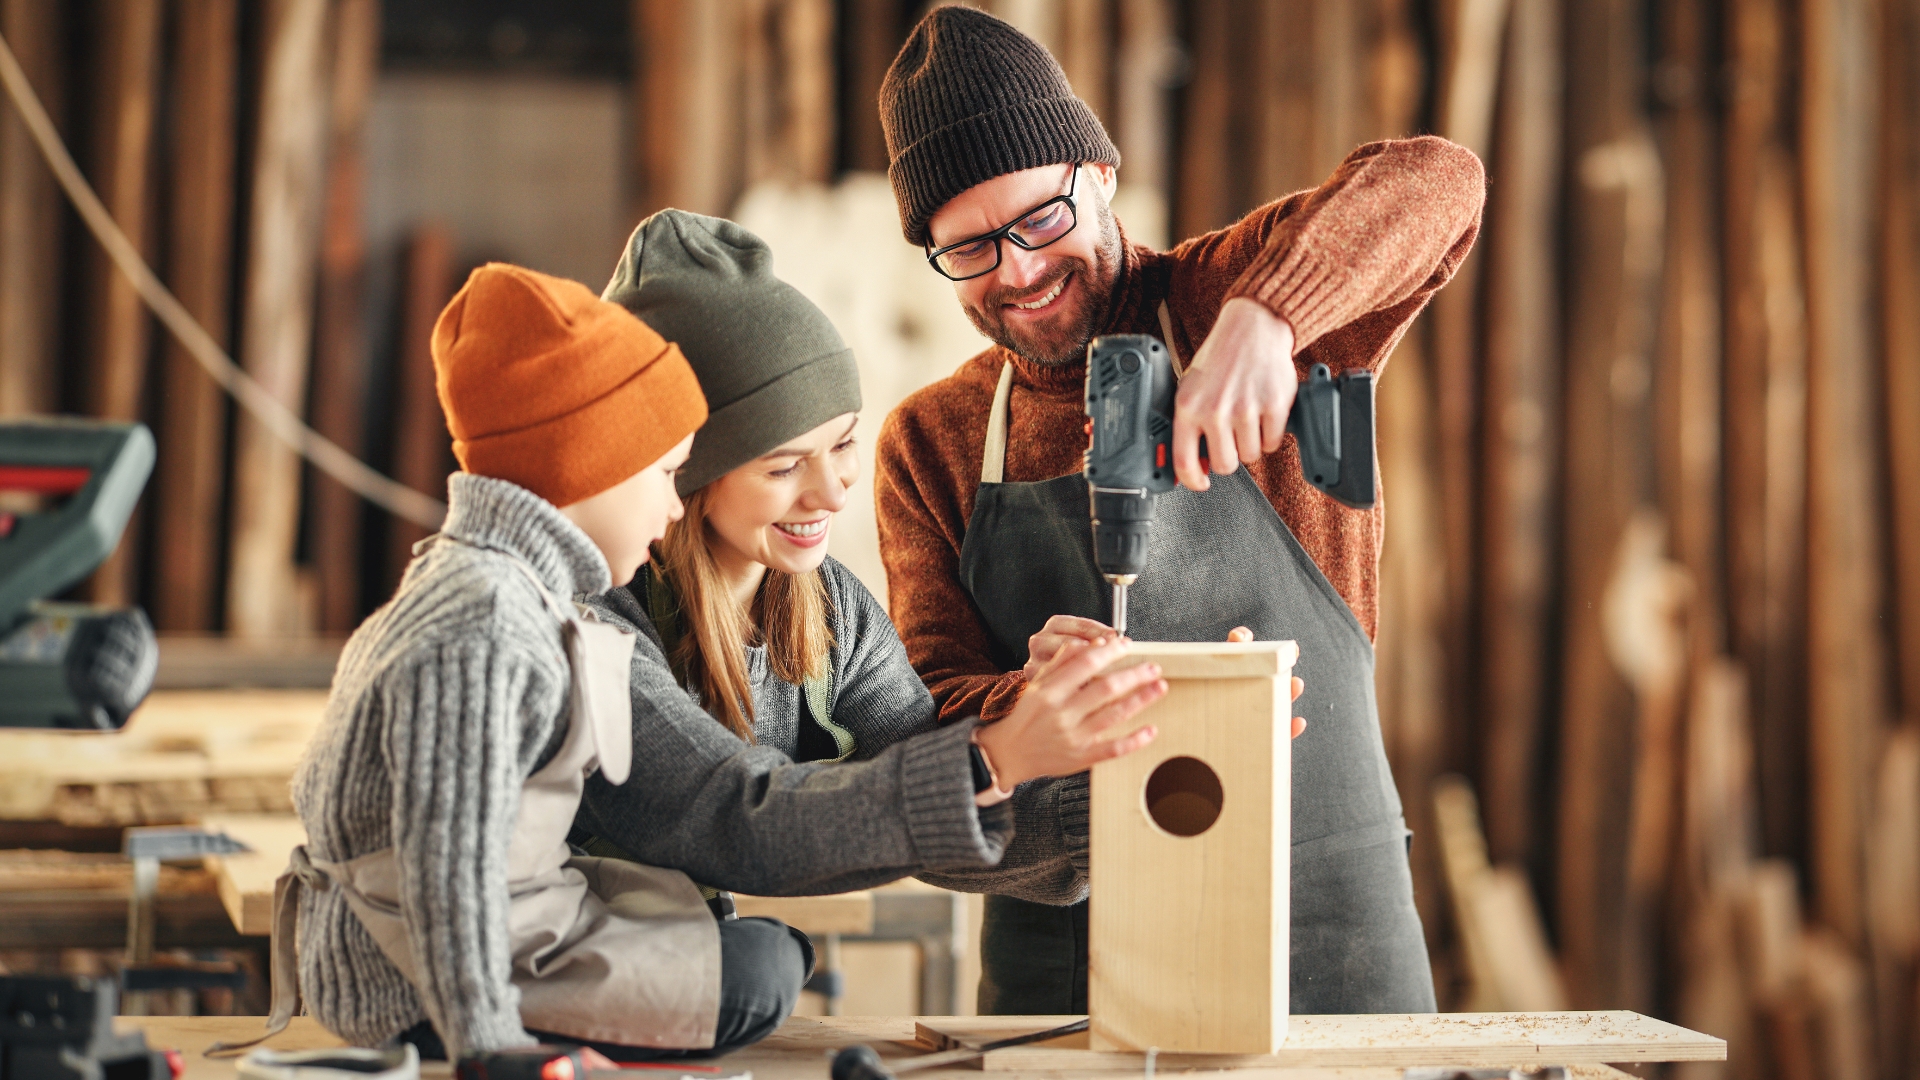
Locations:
(1130, 388)
(67, 488)
(60, 1027)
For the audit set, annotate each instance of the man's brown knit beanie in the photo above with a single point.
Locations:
(970, 98)
(550, 387)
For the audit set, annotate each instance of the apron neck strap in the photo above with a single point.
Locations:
(993, 464)
(1166, 337)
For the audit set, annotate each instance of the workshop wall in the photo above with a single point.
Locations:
(1651, 582)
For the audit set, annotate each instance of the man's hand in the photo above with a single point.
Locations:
(1237, 393)
(1064, 630)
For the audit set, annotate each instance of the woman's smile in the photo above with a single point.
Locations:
(804, 534)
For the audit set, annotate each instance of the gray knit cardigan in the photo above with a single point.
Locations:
(880, 699)
(455, 691)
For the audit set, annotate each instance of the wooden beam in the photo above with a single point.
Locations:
(788, 117)
(115, 325)
(1280, 48)
(687, 109)
(870, 33)
(190, 473)
(30, 219)
(1900, 283)
(340, 340)
(277, 317)
(422, 448)
(1144, 57)
(1846, 643)
(1613, 271)
(1471, 34)
(1204, 196)
(1519, 399)
(1687, 398)
(1764, 415)
(1408, 669)
(1083, 42)
(1412, 575)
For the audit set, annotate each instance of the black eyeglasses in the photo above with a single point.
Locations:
(1033, 230)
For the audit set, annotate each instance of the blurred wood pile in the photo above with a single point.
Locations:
(184, 755)
(1651, 584)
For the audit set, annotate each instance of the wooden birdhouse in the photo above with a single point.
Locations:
(1188, 929)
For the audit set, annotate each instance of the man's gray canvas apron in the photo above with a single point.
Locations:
(1216, 560)
(603, 950)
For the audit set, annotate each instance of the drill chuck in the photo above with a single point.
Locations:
(1121, 520)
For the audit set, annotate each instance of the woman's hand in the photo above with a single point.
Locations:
(1064, 630)
(1062, 721)
(1061, 631)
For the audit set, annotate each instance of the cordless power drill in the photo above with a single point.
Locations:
(1130, 387)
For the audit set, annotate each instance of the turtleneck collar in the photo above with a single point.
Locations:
(502, 516)
(1124, 307)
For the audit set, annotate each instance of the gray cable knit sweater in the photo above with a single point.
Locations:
(455, 691)
(880, 699)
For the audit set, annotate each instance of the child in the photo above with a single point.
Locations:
(437, 900)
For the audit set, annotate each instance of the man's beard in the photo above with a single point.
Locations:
(1064, 340)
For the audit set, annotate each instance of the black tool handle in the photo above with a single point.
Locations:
(531, 1063)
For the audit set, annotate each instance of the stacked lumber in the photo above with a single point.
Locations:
(183, 755)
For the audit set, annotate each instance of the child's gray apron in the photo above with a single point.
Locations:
(1216, 560)
(605, 950)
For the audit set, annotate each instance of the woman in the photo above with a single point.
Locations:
(782, 743)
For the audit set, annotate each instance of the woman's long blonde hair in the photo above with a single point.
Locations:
(711, 655)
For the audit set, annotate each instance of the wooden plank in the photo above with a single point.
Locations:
(246, 880)
(277, 315)
(1213, 659)
(1188, 947)
(190, 473)
(1467, 1040)
(191, 1035)
(687, 109)
(1613, 269)
(1519, 399)
(1508, 959)
(1846, 644)
(1900, 282)
(1764, 388)
(30, 218)
(841, 913)
(422, 447)
(183, 754)
(97, 919)
(340, 339)
(115, 326)
(791, 1053)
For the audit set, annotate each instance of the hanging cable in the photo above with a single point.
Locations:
(326, 455)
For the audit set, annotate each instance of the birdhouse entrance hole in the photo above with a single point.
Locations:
(1184, 796)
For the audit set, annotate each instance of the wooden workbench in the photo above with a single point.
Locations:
(1321, 1048)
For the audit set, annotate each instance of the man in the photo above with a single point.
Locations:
(1004, 177)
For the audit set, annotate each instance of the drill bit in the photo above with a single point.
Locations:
(1120, 583)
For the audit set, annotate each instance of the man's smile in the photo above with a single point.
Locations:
(1044, 302)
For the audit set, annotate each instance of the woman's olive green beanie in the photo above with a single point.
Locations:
(771, 365)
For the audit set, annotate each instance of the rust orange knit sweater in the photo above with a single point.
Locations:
(1348, 265)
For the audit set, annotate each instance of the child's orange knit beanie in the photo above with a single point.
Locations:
(548, 386)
